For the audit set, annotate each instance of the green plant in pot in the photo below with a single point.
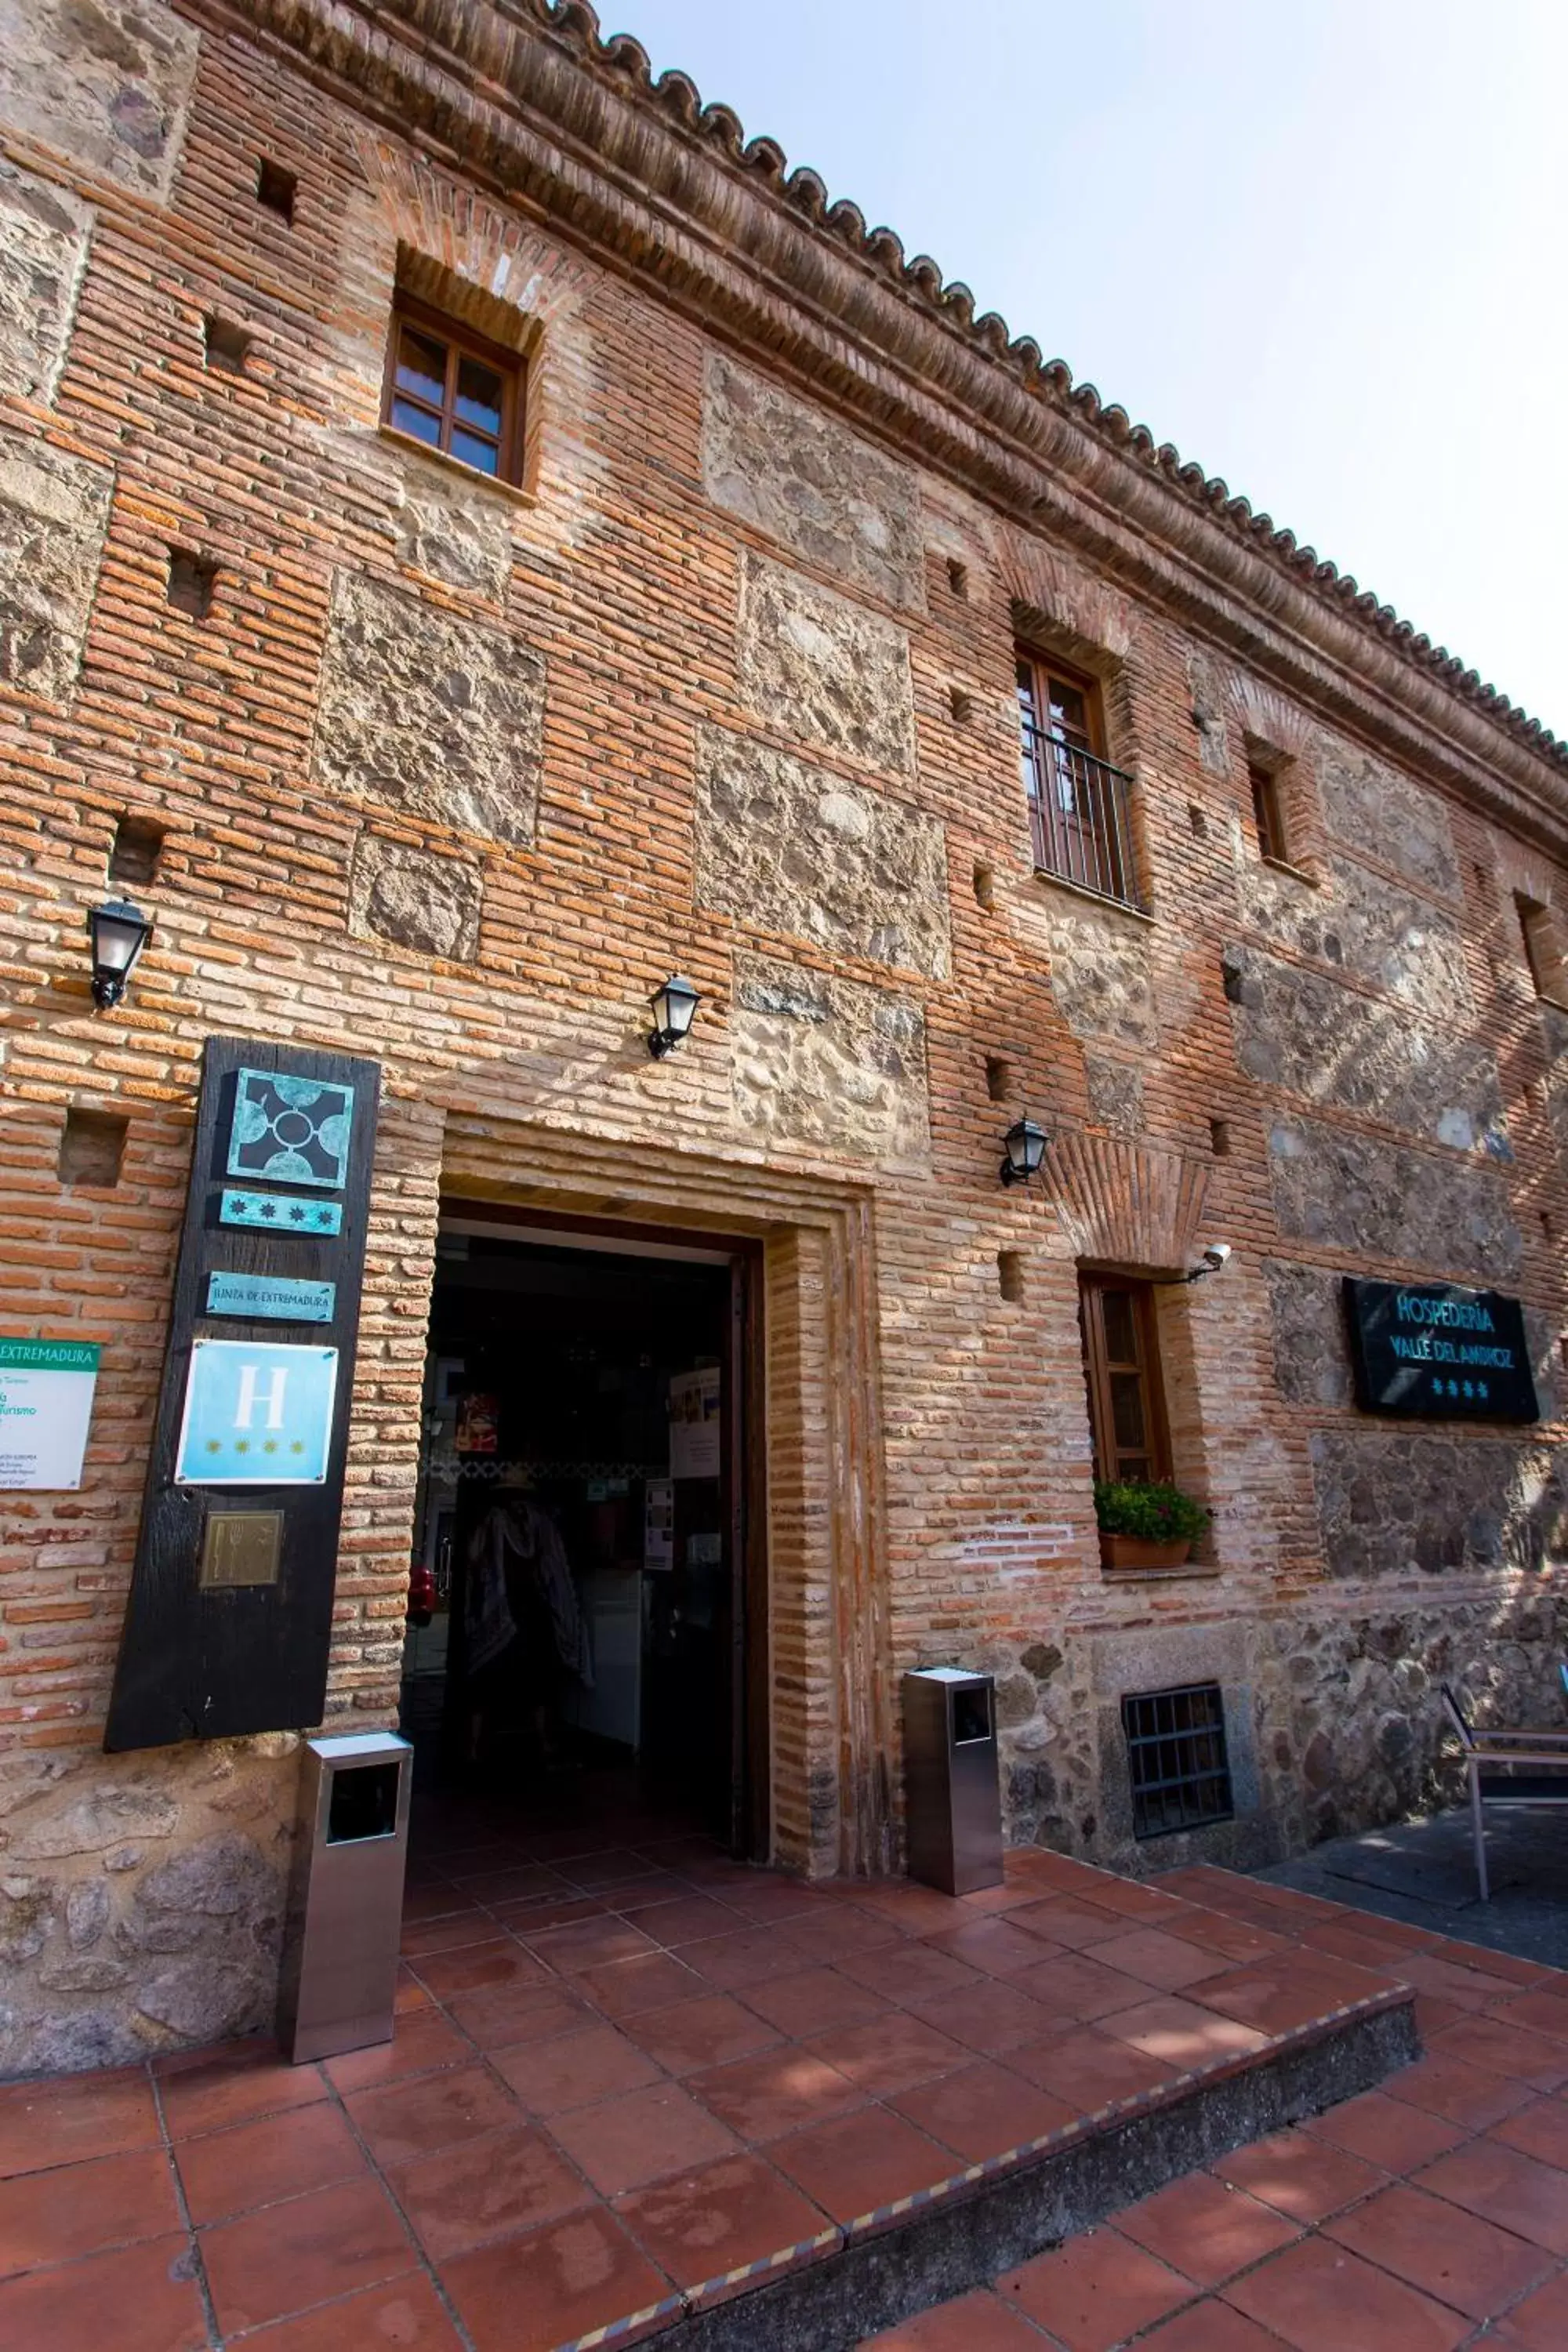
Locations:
(1145, 1524)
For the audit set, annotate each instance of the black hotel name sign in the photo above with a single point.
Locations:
(1437, 1351)
(229, 1619)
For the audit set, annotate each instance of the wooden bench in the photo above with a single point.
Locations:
(1493, 1761)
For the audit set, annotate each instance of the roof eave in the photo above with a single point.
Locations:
(527, 99)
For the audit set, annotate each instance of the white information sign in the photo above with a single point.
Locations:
(45, 1404)
(659, 1524)
(694, 1424)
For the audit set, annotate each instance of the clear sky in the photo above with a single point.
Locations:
(1318, 245)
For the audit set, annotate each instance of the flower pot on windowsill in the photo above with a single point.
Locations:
(1136, 1555)
(1147, 1527)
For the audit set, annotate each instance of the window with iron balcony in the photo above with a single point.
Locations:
(1079, 806)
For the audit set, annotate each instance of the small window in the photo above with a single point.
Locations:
(1267, 814)
(276, 188)
(1177, 1759)
(192, 580)
(1546, 948)
(136, 849)
(92, 1147)
(228, 344)
(1121, 1362)
(455, 391)
(1077, 801)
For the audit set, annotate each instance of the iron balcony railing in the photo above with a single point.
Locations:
(1080, 808)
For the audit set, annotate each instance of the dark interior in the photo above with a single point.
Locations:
(564, 1385)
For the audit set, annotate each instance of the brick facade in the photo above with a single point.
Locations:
(455, 773)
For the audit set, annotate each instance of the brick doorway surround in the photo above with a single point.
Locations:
(833, 1721)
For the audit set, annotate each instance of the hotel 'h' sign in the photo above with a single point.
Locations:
(229, 1617)
(1437, 1351)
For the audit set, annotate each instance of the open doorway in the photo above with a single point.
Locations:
(587, 1631)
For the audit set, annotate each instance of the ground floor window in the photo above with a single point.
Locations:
(1177, 1758)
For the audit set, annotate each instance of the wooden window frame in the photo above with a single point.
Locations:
(1046, 667)
(1098, 1365)
(1268, 813)
(461, 343)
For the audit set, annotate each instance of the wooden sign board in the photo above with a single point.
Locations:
(229, 1616)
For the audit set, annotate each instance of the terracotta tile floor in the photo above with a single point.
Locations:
(1429, 2214)
(629, 2075)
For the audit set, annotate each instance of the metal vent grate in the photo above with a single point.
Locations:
(1175, 1748)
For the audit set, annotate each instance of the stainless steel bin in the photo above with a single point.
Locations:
(345, 1895)
(952, 1802)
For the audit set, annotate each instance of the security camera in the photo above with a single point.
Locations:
(1217, 1254)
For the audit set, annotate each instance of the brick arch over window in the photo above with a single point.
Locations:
(1060, 606)
(500, 267)
(1267, 716)
(1125, 1204)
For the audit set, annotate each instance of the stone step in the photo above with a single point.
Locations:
(887, 2264)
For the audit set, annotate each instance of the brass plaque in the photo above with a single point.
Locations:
(241, 1548)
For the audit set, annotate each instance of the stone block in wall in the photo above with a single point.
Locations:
(415, 898)
(1312, 1350)
(1301, 1030)
(827, 1063)
(792, 848)
(1381, 814)
(453, 530)
(1392, 1500)
(106, 81)
(44, 237)
(1367, 928)
(1541, 1337)
(429, 712)
(1165, 1657)
(1354, 1705)
(1115, 1094)
(142, 1899)
(1390, 1205)
(795, 472)
(1555, 1037)
(818, 668)
(1102, 974)
(1206, 689)
(53, 512)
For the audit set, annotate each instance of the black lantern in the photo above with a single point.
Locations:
(118, 932)
(1025, 1145)
(674, 1006)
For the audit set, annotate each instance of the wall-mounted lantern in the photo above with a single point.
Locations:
(674, 1007)
(1025, 1146)
(118, 931)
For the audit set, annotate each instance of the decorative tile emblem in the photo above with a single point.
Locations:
(257, 1413)
(275, 1212)
(294, 1130)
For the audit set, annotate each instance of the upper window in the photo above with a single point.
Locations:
(1078, 801)
(1121, 1361)
(1267, 813)
(1546, 946)
(455, 391)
